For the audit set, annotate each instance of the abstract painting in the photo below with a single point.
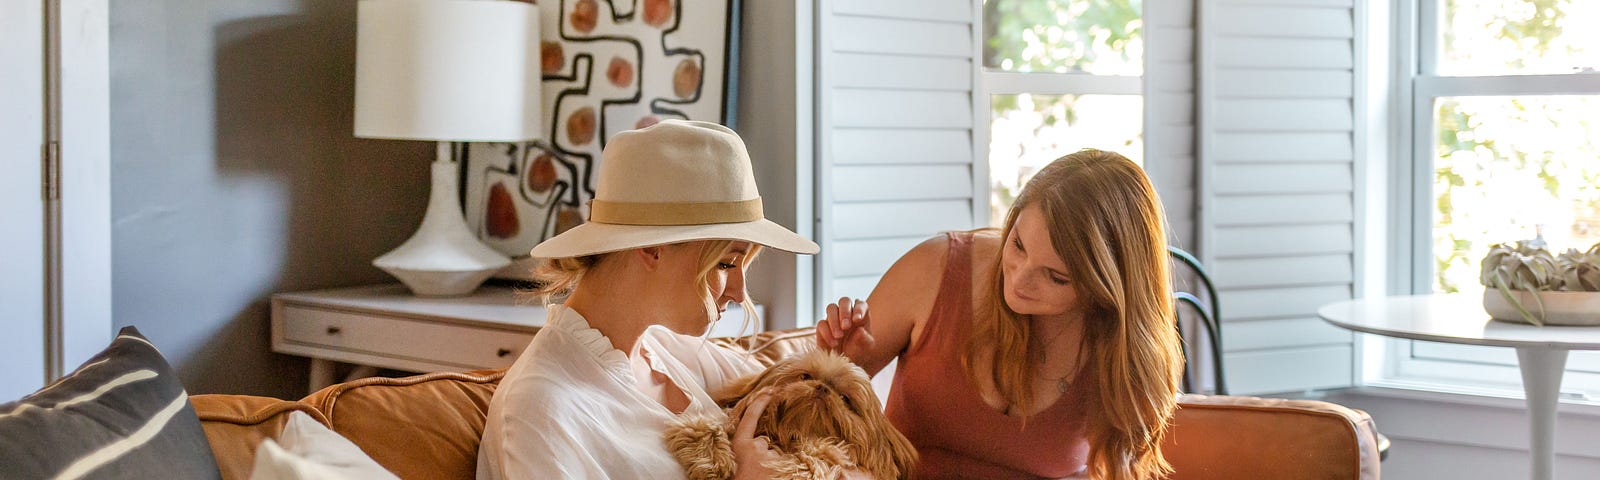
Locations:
(608, 66)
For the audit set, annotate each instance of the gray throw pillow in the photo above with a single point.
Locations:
(123, 414)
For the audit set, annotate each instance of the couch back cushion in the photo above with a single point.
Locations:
(236, 424)
(426, 426)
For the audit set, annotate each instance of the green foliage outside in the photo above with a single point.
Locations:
(1511, 168)
(1100, 37)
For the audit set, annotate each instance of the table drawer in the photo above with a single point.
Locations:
(458, 345)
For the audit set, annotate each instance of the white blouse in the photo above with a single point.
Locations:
(570, 406)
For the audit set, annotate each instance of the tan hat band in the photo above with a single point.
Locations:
(675, 213)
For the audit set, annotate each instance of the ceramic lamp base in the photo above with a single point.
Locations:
(443, 258)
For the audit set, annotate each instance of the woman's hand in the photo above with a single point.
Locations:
(845, 330)
(751, 453)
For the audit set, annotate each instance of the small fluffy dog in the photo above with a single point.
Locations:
(822, 420)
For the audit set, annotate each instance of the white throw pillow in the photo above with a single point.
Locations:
(307, 450)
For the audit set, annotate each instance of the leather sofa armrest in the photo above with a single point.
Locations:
(236, 424)
(1228, 437)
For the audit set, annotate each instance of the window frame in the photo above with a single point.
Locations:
(1417, 85)
(998, 82)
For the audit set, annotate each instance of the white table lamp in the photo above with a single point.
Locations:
(448, 71)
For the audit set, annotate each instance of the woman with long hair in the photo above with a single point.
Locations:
(1045, 349)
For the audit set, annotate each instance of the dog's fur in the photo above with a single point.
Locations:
(823, 420)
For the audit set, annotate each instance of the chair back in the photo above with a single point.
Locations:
(1198, 323)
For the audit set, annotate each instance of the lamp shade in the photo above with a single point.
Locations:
(447, 70)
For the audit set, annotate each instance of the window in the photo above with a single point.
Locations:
(1505, 121)
(1059, 76)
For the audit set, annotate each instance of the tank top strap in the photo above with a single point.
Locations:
(952, 305)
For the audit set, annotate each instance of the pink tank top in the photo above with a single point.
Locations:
(938, 407)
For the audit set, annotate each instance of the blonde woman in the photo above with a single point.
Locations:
(1045, 349)
(675, 221)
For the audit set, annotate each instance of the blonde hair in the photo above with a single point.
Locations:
(560, 276)
(1106, 223)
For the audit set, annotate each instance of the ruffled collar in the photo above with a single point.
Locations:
(573, 324)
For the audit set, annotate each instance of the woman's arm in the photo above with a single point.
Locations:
(899, 305)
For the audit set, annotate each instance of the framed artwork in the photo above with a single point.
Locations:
(608, 66)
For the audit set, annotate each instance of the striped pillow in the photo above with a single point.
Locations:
(123, 414)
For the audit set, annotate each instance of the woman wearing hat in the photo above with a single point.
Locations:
(1061, 323)
(675, 221)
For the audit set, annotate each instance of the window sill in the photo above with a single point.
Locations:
(1467, 396)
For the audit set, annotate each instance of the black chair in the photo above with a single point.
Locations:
(1193, 292)
(1195, 295)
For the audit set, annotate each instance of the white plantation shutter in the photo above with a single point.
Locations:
(895, 134)
(1278, 203)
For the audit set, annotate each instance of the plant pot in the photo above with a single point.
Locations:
(1560, 308)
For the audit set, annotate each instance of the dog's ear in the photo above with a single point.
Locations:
(882, 449)
(734, 391)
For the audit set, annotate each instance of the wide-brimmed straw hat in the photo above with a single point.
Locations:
(675, 181)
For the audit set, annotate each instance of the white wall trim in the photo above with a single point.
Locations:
(807, 108)
(982, 115)
(85, 124)
(1205, 70)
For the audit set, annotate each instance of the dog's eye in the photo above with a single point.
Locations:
(848, 403)
(805, 376)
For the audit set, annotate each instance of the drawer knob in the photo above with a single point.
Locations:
(502, 352)
(334, 330)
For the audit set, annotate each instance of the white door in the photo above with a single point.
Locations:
(22, 107)
(83, 279)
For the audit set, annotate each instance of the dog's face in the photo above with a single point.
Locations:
(821, 394)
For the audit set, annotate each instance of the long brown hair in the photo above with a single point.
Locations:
(1106, 224)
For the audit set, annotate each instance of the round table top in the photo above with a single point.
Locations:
(1450, 318)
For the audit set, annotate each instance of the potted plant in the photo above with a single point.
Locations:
(1527, 284)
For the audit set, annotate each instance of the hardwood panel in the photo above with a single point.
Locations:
(901, 72)
(1281, 115)
(899, 219)
(1284, 21)
(1285, 83)
(901, 109)
(932, 10)
(1317, 53)
(855, 146)
(1234, 273)
(1263, 303)
(870, 257)
(1283, 240)
(901, 182)
(1251, 210)
(1239, 337)
(909, 37)
(1290, 370)
(1283, 147)
(1292, 178)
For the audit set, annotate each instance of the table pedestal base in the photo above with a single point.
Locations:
(1541, 382)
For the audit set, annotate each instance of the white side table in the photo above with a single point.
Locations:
(1541, 351)
(385, 326)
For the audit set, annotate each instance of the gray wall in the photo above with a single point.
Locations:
(235, 175)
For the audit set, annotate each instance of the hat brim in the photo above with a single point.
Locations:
(595, 238)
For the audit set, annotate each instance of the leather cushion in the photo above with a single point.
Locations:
(1270, 438)
(426, 426)
(236, 424)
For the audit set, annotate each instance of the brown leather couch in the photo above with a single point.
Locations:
(428, 426)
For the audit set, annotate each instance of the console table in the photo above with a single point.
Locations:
(385, 326)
